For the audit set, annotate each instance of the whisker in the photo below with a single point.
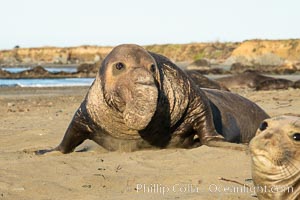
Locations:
(289, 168)
(283, 171)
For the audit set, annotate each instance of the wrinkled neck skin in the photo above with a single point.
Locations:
(272, 174)
(172, 105)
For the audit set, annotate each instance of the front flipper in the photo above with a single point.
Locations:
(77, 132)
(213, 139)
(207, 133)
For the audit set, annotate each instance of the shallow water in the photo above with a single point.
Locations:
(59, 82)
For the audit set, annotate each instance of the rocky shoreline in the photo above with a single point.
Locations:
(89, 71)
(40, 72)
(83, 71)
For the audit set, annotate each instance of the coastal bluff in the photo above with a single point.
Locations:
(266, 52)
(262, 52)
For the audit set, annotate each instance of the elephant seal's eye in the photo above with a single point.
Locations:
(119, 66)
(296, 137)
(152, 68)
(263, 126)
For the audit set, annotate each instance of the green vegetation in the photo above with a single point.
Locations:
(217, 54)
(199, 56)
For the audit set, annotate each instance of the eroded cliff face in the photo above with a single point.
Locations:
(266, 52)
(75, 55)
(215, 52)
(262, 52)
(90, 54)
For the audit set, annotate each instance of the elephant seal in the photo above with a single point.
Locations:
(204, 82)
(275, 152)
(247, 79)
(140, 99)
(275, 84)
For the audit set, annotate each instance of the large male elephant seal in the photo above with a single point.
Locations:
(141, 99)
(275, 154)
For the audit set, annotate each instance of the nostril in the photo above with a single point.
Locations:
(263, 126)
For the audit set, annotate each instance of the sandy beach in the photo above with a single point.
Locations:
(36, 118)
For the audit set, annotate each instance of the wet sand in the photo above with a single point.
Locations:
(32, 119)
